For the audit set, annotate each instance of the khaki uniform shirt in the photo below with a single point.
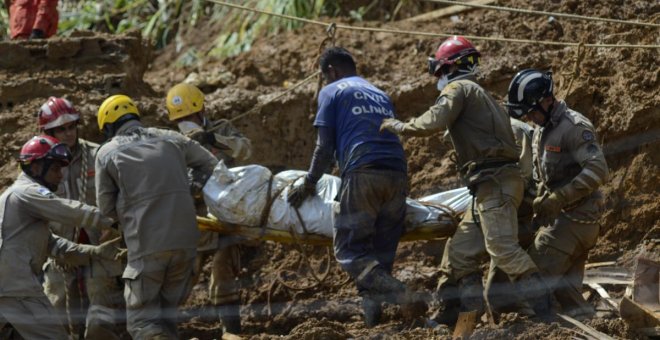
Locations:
(141, 179)
(78, 184)
(568, 159)
(25, 239)
(230, 144)
(479, 128)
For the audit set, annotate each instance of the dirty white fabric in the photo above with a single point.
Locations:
(239, 196)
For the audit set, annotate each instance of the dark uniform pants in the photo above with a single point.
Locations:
(370, 222)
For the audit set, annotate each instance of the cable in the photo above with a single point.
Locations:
(558, 15)
(428, 34)
(259, 106)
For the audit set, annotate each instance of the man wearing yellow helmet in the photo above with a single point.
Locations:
(185, 105)
(141, 180)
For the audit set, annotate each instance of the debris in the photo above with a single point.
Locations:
(467, 322)
(589, 330)
(608, 275)
(639, 317)
(611, 303)
(443, 12)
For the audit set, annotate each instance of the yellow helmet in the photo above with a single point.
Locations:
(115, 107)
(183, 100)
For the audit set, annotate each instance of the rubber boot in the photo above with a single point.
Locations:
(231, 318)
(372, 310)
(536, 293)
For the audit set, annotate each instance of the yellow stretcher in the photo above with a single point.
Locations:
(442, 230)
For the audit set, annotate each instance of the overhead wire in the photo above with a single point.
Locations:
(427, 34)
(544, 13)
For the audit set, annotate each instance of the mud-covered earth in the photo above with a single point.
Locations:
(618, 89)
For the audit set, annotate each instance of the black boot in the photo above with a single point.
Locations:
(471, 292)
(231, 318)
(450, 306)
(372, 310)
(537, 294)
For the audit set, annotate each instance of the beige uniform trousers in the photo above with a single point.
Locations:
(560, 252)
(154, 295)
(226, 266)
(496, 235)
(22, 312)
(104, 295)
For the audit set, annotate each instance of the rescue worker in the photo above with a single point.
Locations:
(26, 208)
(374, 181)
(500, 293)
(185, 106)
(141, 180)
(487, 158)
(66, 285)
(32, 19)
(570, 166)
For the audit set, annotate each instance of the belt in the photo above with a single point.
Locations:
(491, 165)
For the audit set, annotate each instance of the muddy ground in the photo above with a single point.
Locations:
(618, 89)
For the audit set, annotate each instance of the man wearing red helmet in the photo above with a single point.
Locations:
(26, 209)
(488, 159)
(67, 286)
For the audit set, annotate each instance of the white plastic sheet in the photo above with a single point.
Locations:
(239, 196)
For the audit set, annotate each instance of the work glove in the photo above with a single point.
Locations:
(37, 34)
(107, 250)
(547, 208)
(392, 125)
(300, 192)
(201, 136)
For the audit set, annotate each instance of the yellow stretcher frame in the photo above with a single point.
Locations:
(282, 236)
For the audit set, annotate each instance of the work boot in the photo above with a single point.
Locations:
(537, 294)
(231, 318)
(450, 306)
(372, 310)
(471, 293)
(382, 286)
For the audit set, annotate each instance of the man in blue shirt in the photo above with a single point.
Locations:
(374, 181)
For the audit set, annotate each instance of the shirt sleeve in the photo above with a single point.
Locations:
(323, 153)
(45, 205)
(326, 114)
(198, 157)
(106, 189)
(588, 153)
(440, 116)
(67, 251)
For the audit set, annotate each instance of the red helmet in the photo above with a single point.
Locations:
(44, 147)
(451, 51)
(57, 112)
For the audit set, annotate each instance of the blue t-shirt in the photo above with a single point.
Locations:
(355, 109)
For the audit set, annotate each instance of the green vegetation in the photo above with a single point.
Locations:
(163, 21)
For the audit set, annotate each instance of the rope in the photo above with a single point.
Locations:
(330, 38)
(428, 34)
(259, 106)
(579, 56)
(554, 14)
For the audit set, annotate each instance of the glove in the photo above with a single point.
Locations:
(37, 34)
(300, 192)
(201, 136)
(107, 250)
(391, 125)
(547, 208)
